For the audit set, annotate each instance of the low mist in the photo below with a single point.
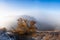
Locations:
(43, 25)
(42, 22)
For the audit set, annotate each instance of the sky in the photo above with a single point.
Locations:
(43, 10)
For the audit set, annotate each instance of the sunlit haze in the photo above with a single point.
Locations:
(48, 11)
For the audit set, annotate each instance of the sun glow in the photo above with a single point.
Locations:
(7, 15)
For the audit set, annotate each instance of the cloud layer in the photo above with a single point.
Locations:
(10, 12)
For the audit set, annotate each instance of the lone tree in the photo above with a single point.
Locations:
(25, 27)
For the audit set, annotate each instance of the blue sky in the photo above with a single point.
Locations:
(30, 6)
(45, 10)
